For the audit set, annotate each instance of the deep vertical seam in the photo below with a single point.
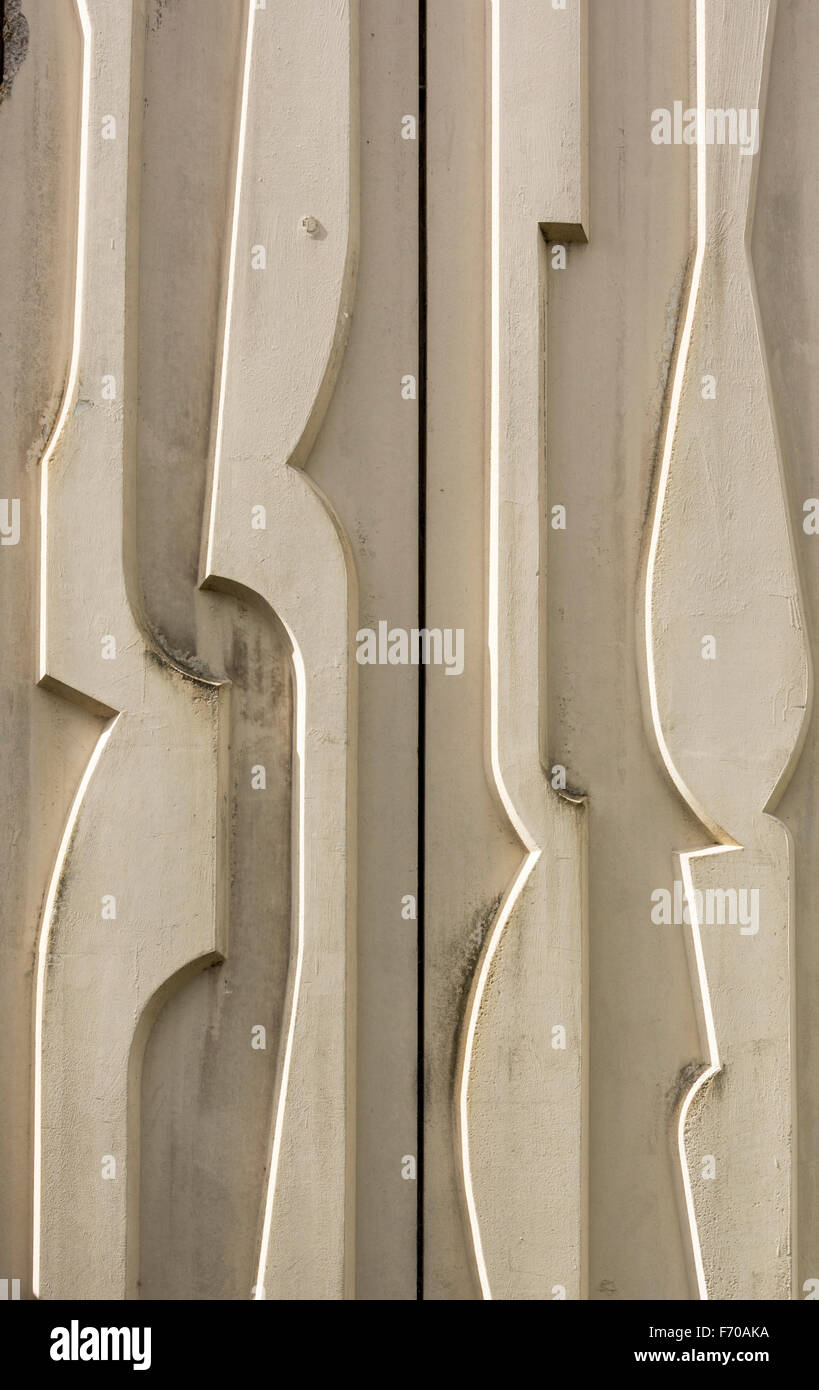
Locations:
(422, 607)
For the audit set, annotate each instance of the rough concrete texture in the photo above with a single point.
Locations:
(214, 335)
(14, 43)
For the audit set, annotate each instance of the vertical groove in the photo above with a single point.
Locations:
(422, 608)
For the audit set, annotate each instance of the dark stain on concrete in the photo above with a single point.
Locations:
(13, 44)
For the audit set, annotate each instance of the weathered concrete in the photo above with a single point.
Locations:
(209, 322)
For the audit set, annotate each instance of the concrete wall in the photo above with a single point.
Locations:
(326, 973)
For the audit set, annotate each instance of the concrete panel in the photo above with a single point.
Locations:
(408, 605)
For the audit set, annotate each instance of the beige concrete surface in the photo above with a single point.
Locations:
(332, 978)
(524, 1017)
(721, 558)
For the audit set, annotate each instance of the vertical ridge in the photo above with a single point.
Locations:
(422, 605)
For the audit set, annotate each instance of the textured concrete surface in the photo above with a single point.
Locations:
(254, 389)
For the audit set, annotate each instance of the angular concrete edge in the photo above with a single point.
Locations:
(271, 532)
(522, 1053)
(137, 898)
(723, 605)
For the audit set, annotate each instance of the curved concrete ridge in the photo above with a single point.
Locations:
(721, 584)
(519, 1099)
(271, 531)
(137, 896)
